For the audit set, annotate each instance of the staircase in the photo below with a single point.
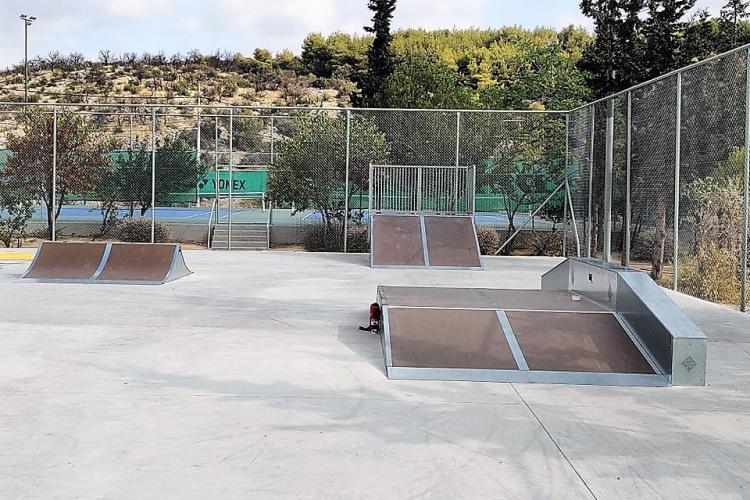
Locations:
(244, 237)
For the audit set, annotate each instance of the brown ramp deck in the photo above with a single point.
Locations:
(397, 241)
(434, 241)
(535, 336)
(142, 264)
(452, 241)
(56, 261)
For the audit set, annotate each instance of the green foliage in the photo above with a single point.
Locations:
(324, 238)
(177, 171)
(379, 56)
(138, 230)
(16, 208)
(310, 170)
(423, 84)
(82, 154)
(263, 56)
(546, 243)
(489, 240)
(711, 275)
(613, 61)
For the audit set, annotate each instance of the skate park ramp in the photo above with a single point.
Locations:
(109, 263)
(424, 241)
(73, 262)
(590, 324)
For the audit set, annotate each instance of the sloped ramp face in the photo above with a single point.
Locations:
(397, 241)
(532, 336)
(115, 263)
(424, 241)
(452, 242)
(143, 264)
(72, 262)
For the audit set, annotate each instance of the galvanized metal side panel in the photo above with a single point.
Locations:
(558, 278)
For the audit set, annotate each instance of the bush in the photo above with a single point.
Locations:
(359, 241)
(546, 243)
(711, 275)
(489, 240)
(642, 246)
(321, 238)
(138, 230)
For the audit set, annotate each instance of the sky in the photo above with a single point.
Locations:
(173, 26)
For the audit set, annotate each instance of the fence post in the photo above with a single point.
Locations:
(346, 185)
(153, 174)
(608, 167)
(273, 132)
(628, 201)
(590, 225)
(54, 174)
(678, 147)
(458, 161)
(198, 153)
(567, 186)
(231, 176)
(130, 129)
(746, 199)
(217, 177)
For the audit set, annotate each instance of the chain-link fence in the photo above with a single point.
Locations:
(654, 177)
(670, 178)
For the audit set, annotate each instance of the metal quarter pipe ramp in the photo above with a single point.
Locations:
(112, 263)
(561, 334)
(424, 241)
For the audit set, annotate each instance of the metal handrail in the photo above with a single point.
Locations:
(211, 224)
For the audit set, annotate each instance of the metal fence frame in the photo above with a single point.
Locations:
(581, 230)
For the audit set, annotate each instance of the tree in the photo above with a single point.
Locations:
(423, 84)
(613, 61)
(520, 162)
(731, 29)
(106, 56)
(81, 156)
(177, 171)
(310, 171)
(664, 32)
(16, 208)
(263, 56)
(379, 57)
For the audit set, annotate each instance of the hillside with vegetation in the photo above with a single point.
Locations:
(508, 67)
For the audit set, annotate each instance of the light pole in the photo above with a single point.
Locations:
(27, 21)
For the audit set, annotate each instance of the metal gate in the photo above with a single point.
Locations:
(422, 189)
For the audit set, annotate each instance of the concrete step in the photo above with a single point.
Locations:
(242, 233)
(224, 246)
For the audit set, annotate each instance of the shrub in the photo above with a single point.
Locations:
(138, 230)
(546, 243)
(642, 246)
(359, 241)
(711, 275)
(321, 238)
(489, 240)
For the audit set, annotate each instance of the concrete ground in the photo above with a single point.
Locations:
(250, 379)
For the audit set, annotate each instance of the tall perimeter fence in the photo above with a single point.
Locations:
(655, 176)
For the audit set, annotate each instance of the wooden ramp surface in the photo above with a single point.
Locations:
(508, 336)
(432, 241)
(116, 263)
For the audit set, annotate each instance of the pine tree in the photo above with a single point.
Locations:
(664, 31)
(613, 61)
(379, 57)
(730, 23)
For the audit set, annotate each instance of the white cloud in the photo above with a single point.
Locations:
(136, 8)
